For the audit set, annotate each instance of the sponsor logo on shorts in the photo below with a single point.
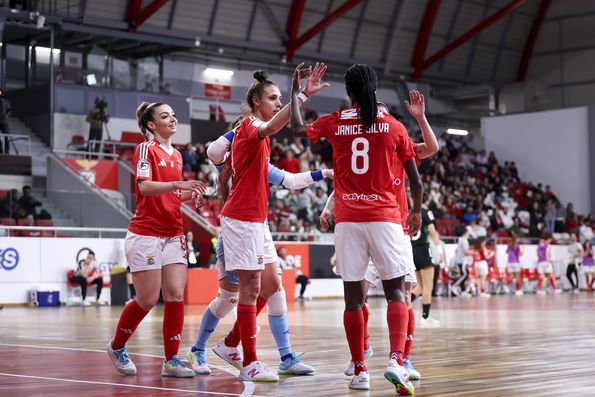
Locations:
(260, 259)
(150, 260)
(360, 197)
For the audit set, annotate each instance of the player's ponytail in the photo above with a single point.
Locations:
(144, 114)
(361, 82)
(257, 87)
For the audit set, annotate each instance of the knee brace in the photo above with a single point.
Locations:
(224, 303)
(277, 305)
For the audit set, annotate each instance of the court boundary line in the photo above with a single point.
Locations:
(248, 391)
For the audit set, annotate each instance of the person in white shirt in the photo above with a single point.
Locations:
(585, 231)
(575, 253)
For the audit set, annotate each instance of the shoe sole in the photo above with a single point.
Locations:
(111, 354)
(236, 366)
(414, 377)
(188, 375)
(359, 387)
(402, 389)
(298, 373)
(272, 380)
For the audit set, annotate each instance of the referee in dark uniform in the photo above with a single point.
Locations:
(424, 267)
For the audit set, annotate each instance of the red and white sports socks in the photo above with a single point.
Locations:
(397, 316)
(173, 322)
(366, 333)
(234, 337)
(353, 321)
(130, 318)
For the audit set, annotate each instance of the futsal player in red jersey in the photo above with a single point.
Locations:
(242, 219)
(366, 147)
(155, 246)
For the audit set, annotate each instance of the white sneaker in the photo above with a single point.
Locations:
(484, 295)
(541, 292)
(86, 303)
(294, 366)
(465, 294)
(257, 372)
(518, 292)
(429, 323)
(576, 291)
(198, 362)
(413, 373)
(175, 368)
(399, 377)
(121, 359)
(558, 291)
(360, 381)
(232, 355)
(349, 369)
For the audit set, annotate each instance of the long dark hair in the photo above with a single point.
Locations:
(257, 87)
(361, 82)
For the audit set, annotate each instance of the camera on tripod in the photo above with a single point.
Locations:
(101, 105)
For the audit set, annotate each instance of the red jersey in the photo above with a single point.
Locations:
(479, 255)
(366, 163)
(250, 156)
(161, 215)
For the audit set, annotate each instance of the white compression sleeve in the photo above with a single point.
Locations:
(224, 303)
(297, 181)
(217, 149)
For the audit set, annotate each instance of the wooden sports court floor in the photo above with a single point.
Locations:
(506, 345)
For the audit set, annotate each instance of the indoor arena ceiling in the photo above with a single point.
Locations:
(460, 41)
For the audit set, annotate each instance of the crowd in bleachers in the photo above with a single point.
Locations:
(21, 209)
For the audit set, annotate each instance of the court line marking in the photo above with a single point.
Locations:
(249, 387)
(90, 382)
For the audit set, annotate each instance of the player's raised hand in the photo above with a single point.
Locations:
(416, 104)
(328, 174)
(325, 215)
(314, 83)
(414, 222)
(298, 74)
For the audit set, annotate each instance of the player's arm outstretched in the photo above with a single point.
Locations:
(295, 181)
(313, 84)
(417, 108)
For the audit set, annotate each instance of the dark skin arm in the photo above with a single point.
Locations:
(298, 128)
(414, 218)
(223, 181)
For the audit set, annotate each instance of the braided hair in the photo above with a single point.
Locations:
(361, 82)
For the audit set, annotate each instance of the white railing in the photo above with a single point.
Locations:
(85, 154)
(99, 231)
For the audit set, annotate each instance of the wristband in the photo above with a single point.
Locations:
(316, 175)
(303, 96)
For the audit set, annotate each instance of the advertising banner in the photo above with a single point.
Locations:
(19, 259)
(298, 256)
(218, 91)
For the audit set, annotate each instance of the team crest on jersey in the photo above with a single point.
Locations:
(143, 169)
(150, 260)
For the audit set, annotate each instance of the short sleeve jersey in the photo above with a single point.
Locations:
(250, 156)
(479, 255)
(365, 163)
(422, 237)
(161, 215)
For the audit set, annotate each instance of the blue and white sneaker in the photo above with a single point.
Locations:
(175, 368)
(413, 374)
(294, 366)
(198, 362)
(121, 359)
(369, 352)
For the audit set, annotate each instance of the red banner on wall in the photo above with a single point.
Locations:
(102, 173)
(218, 91)
(298, 256)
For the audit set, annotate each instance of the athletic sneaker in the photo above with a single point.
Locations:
(484, 295)
(413, 374)
(121, 359)
(541, 292)
(518, 292)
(576, 291)
(399, 377)
(175, 368)
(257, 372)
(294, 366)
(360, 381)
(557, 291)
(349, 369)
(198, 362)
(429, 323)
(232, 355)
(368, 352)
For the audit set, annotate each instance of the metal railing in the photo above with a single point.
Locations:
(59, 231)
(85, 154)
(12, 138)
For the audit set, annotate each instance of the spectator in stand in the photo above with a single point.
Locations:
(560, 217)
(517, 228)
(586, 231)
(290, 163)
(549, 218)
(536, 220)
(5, 112)
(28, 203)
(9, 208)
(571, 223)
(88, 273)
(190, 158)
(305, 198)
